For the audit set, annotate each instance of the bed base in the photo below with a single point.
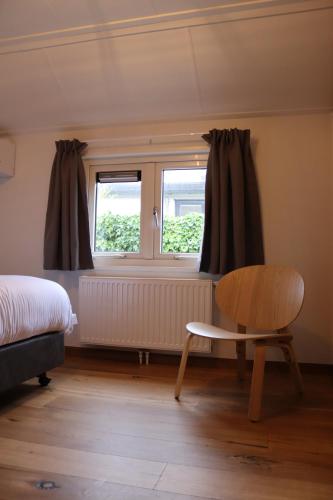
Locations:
(30, 358)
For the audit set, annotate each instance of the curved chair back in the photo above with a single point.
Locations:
(261, 297)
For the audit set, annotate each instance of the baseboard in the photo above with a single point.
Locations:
(131, 356)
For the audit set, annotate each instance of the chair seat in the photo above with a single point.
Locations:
(213, 332)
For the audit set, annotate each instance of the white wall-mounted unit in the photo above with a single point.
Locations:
(7, 157)
(148, 313)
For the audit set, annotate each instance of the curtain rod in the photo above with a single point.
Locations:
(150, 138)
(144, 154)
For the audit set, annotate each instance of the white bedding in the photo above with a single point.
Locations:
(31, 306)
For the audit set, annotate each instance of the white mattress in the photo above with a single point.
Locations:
(31, 306)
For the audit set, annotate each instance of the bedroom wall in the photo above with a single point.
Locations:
(294, 164)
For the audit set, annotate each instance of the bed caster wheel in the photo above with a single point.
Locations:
(43, 380)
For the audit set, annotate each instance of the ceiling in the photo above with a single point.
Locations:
(66, 63)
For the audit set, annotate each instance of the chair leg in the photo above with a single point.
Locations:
(182, 366)
(290, 357)
(241, 359)
(257, 382)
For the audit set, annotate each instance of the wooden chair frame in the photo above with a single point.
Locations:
(261, 298)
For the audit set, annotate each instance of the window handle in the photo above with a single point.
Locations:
(156, 219)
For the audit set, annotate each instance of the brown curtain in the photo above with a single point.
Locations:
(233, 230)
(66, 240)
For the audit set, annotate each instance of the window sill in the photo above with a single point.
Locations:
(175, 268)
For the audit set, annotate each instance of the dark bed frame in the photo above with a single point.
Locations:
(33, 357)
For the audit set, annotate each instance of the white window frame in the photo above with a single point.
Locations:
(151, 196)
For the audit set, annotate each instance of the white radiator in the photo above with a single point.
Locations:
(146, 313)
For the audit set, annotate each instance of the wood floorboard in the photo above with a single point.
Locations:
(36, 426)
(115, 431)
(16, 484)
(230, 485)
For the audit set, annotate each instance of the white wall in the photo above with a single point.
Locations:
(294, 164)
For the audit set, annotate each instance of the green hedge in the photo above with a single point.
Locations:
(121, 233)
(183, 234)
(118, 233)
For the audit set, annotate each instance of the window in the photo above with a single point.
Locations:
(183, 207)
(117, 212)
(148, 210)
(183, 195)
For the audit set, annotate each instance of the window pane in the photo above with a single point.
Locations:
(183, 201)
(118, 207)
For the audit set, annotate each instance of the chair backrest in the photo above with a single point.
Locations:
(261, 297)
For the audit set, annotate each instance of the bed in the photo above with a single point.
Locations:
(34, 316)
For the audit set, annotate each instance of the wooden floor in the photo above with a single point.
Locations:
(112, 430)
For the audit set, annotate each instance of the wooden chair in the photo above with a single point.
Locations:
(262, 298)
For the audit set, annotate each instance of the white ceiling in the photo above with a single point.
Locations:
(96, 62)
